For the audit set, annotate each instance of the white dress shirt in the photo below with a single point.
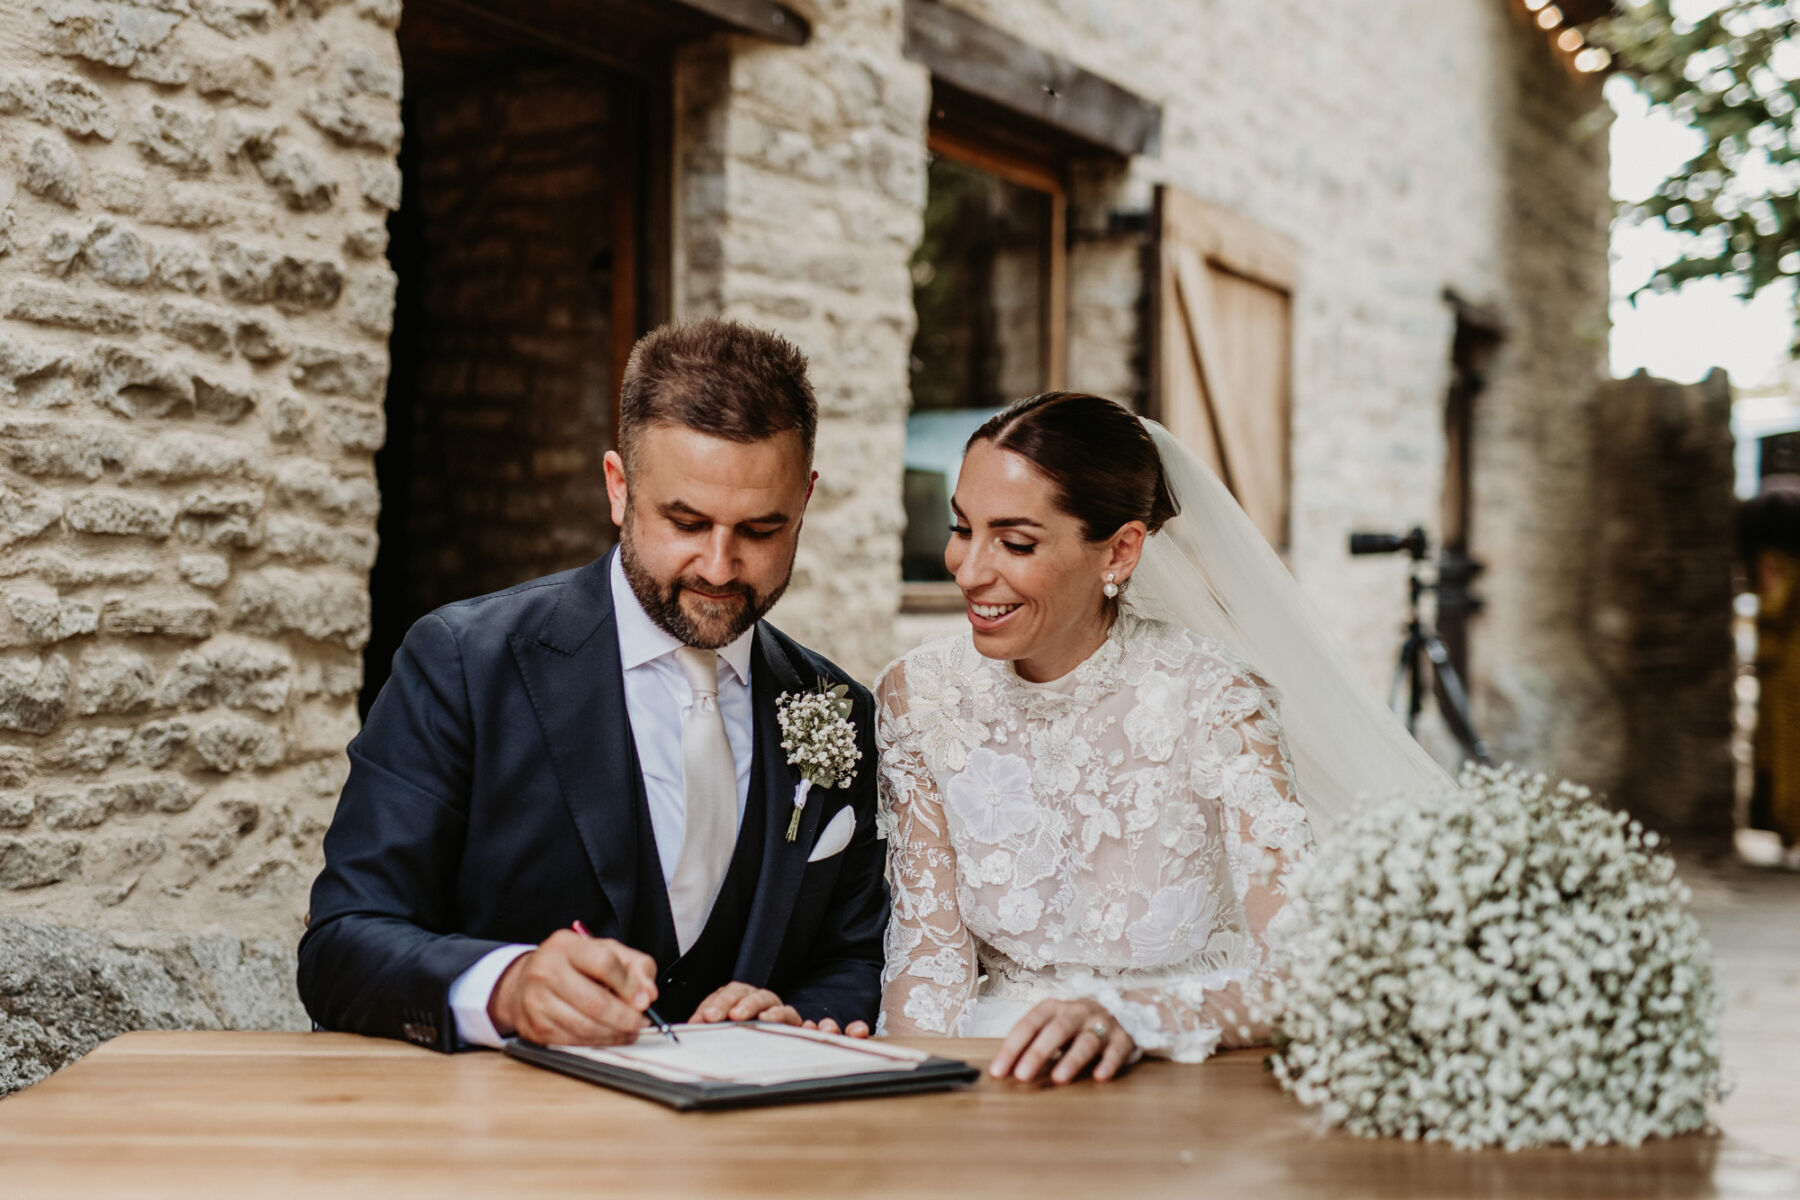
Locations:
(657, 700)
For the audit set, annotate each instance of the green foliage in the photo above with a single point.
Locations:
(1731, 76)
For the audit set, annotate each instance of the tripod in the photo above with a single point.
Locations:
(1422, 643)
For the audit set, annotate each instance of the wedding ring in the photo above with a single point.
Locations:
(1101, 1030)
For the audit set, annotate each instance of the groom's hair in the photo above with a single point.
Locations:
(722, 378)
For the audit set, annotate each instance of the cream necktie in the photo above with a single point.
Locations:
(709, 800)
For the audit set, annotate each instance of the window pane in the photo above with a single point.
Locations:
(981, 288)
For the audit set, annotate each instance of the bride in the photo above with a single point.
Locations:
(1095, 797)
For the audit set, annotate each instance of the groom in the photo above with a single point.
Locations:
(571, 801)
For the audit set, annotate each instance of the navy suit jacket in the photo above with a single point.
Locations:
(493, 798)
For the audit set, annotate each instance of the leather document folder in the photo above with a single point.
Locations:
(743, 1064)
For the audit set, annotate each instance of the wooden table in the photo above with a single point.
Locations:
(332, 1116)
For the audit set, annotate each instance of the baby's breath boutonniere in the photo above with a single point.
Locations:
(819, 740)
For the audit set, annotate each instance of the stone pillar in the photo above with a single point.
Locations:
(1662, 565)
(1542, 696)
(799, 193)
(192, 363)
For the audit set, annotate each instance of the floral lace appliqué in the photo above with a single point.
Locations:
(1121, 834)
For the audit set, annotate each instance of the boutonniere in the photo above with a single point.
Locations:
(819, 740)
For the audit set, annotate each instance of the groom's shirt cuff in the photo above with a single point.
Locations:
(471, 991)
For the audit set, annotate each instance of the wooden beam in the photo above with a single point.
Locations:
(609, 35)
(1231, 240)
(759, 18)
(1580, 12)
(995, 66)
(634, 36)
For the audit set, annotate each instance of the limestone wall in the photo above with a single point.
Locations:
(1406, 148)
(192, 366)
(800, 189)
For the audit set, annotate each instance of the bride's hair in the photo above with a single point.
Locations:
(1100, 459)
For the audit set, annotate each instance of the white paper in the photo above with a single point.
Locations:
(750, 1053)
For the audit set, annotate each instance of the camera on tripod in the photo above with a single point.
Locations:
(1425, 667)
(1413, 542)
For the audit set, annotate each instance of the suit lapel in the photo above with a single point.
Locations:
(573, 674)
(783, 863)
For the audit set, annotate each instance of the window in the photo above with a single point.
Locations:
(988, 287)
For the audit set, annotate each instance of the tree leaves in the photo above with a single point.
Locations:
(1734, 78)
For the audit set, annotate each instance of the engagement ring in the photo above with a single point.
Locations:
(1100, 1029)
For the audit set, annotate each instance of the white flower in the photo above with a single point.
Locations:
(997, 867)
(1159, 718)
(992, 798)
(1179, 922)
(1504, 963)
(928, 1008)
(1059, 755)
(1020, 909)
(1149, 799)
(1181, 828)
(934, 709)
(948, 966)
(818, 737)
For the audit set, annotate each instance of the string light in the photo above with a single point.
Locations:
(1592, 59)
(1569, 39)
(1534, 5)
(1550, 18)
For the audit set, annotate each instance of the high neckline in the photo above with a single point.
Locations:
(1081, 686)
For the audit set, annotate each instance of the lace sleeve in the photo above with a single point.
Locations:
(1250, 783)
(929, 976)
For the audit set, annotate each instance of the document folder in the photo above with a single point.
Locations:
(743, 1064)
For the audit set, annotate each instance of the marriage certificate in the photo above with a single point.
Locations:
(754, 1054)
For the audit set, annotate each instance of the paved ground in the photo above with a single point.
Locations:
(1753, 917)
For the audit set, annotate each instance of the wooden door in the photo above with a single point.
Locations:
(1222, 349)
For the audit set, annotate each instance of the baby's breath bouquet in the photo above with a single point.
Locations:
(819, 740)
(1505, 964)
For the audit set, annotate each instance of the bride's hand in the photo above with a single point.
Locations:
(1082, 1032)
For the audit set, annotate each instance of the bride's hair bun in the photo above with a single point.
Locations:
(1094, 451)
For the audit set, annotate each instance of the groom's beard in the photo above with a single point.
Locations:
(705, 623)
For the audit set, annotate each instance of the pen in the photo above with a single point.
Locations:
(662, 1026)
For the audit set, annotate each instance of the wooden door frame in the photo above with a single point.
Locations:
(1041, 176)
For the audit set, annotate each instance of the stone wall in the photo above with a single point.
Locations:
(800, 184)
(1405, 148)
(192, 364)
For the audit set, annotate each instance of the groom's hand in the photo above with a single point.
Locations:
(575, 991)
(741, 1002)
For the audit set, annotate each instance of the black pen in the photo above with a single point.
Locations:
(662, 1026)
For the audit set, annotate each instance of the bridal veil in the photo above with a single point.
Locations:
(1211, 571)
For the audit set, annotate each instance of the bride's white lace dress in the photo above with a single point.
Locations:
(1123, 833)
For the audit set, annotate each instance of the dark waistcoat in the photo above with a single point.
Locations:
(684, 980)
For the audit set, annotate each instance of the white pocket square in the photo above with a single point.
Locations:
(836, 836)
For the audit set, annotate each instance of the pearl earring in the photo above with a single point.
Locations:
(1111, 590)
